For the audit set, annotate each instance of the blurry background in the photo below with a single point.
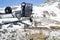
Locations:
(4, 3)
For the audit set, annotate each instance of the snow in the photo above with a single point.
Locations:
(38, 10)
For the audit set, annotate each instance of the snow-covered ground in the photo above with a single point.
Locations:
(52, 12)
